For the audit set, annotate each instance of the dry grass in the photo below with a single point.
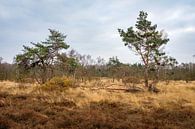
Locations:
(95, 105)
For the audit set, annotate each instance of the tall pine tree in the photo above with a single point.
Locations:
(148, 43)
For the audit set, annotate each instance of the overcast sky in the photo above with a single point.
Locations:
(91, 25)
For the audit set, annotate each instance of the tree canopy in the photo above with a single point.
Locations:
(43, 54)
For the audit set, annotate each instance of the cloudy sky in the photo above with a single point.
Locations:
(91, 25)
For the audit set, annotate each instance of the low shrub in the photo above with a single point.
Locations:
(59, 83)
(132, 80)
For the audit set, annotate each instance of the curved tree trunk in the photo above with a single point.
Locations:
(146, 76)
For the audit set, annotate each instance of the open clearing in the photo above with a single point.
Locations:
(94, 105)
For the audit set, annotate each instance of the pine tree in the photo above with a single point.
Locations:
(147, 42)
(42, 56)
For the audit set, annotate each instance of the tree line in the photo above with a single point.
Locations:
(85, 68)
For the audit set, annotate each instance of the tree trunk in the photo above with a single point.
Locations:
(44, 75)
(157, 75)
(74, 75)
(146, 76)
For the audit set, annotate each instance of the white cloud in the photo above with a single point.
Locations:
(92, 26)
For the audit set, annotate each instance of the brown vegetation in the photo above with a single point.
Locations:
(87, 107)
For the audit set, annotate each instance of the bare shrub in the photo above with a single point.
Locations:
(130, 80)
(153, 88)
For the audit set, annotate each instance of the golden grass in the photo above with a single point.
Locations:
(177, 97)
(177, 92)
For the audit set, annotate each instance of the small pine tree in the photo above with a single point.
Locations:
(41, 56)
